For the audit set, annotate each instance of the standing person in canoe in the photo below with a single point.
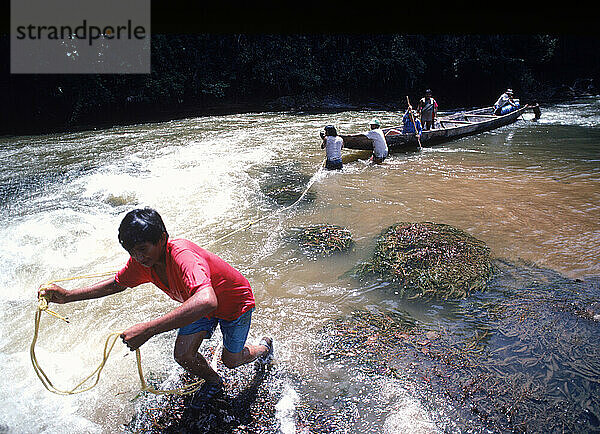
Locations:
(333, 144)
(427, 109)
(380, 148)
(506, 103)
(210, 291)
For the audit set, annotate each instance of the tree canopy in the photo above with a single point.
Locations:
(194, 74)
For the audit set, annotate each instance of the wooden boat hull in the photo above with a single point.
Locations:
(447, 129)
(357, 141)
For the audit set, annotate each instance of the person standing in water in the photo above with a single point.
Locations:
(211, 293)
(333, 144)
(380, 148)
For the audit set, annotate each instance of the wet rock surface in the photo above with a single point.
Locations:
(244, 407)
(254, 401)
(518, 357)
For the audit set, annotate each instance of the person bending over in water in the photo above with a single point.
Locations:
(506, 103)
(333, 144)
(380, 148)
(210, 291)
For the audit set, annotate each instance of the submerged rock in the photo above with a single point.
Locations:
(321, 239)
(252, 402)
(431, 259)
(246, 406)
(517, 358)
(284, 184)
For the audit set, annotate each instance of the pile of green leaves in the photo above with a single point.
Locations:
(432, 260)
(322, 239)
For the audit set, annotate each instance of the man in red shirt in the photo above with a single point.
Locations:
(210, 291)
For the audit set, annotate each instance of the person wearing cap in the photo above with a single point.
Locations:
(333, 144)
(505, 103)
(427, 110)
(380, 148)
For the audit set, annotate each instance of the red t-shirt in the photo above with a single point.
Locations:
(191, 268)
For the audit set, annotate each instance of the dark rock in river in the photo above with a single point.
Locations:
(245, 407)
(248, 405)
(284, 184)
(430, 259)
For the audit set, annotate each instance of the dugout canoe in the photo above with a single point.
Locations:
(446, 129)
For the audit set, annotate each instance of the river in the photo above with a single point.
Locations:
(530, 190)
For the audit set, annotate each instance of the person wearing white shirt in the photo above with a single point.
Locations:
(333, 144)
(380, 148)
(506, 99)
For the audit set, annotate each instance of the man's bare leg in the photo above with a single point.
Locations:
(247, 355)
(187, 355)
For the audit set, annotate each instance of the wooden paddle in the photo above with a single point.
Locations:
(414, 124)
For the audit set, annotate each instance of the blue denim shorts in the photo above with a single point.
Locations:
(234, 332)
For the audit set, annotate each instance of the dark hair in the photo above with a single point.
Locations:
(140, 226)
(330, 130)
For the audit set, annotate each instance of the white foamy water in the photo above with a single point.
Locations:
(195, 177)
(285, 410)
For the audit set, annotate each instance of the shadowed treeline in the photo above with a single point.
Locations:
(195, 74)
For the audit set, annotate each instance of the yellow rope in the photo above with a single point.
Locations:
(109, 344)
(112, 338)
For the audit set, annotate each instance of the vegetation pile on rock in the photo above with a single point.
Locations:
(322, 239)
(433, 260)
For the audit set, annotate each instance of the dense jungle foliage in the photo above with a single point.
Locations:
(195, 74)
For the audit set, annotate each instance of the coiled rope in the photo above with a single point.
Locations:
(112, 338)
(84, 385)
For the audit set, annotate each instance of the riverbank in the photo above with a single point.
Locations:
(132, 112)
